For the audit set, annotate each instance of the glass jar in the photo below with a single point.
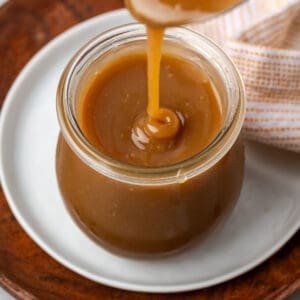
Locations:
(150, 210)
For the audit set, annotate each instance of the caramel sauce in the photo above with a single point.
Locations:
(113, 116)
(155, 40)
(160, 129)
(151, 109)
(158, 14)
(147, 220)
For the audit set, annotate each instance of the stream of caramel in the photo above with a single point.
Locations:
(163, 123)
(155, 40)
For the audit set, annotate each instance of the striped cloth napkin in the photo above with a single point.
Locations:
(263, 39)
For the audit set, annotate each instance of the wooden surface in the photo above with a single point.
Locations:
(29, 273)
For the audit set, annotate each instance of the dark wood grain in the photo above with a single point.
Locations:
(29, 273)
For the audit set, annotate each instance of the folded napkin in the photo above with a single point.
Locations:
(263, 39)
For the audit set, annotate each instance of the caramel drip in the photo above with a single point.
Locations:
(155, 40)
(164, 124)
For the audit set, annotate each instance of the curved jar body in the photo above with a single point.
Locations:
(142, 210)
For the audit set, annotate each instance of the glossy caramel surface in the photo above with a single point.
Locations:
(112, 112)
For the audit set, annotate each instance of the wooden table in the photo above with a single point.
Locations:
(28, 272)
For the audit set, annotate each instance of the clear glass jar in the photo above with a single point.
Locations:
(150, 210)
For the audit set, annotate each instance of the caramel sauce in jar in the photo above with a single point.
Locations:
(112, 112)
(142, 181)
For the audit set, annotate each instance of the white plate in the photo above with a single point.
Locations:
(267, 215)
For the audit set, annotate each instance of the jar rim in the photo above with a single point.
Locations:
(145, 175)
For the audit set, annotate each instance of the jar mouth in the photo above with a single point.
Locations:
(168, 174)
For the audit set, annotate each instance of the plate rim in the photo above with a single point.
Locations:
(169, 288)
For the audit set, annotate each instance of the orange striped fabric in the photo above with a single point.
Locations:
(263, 39)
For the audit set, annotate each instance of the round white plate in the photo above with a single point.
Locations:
(267, 215)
